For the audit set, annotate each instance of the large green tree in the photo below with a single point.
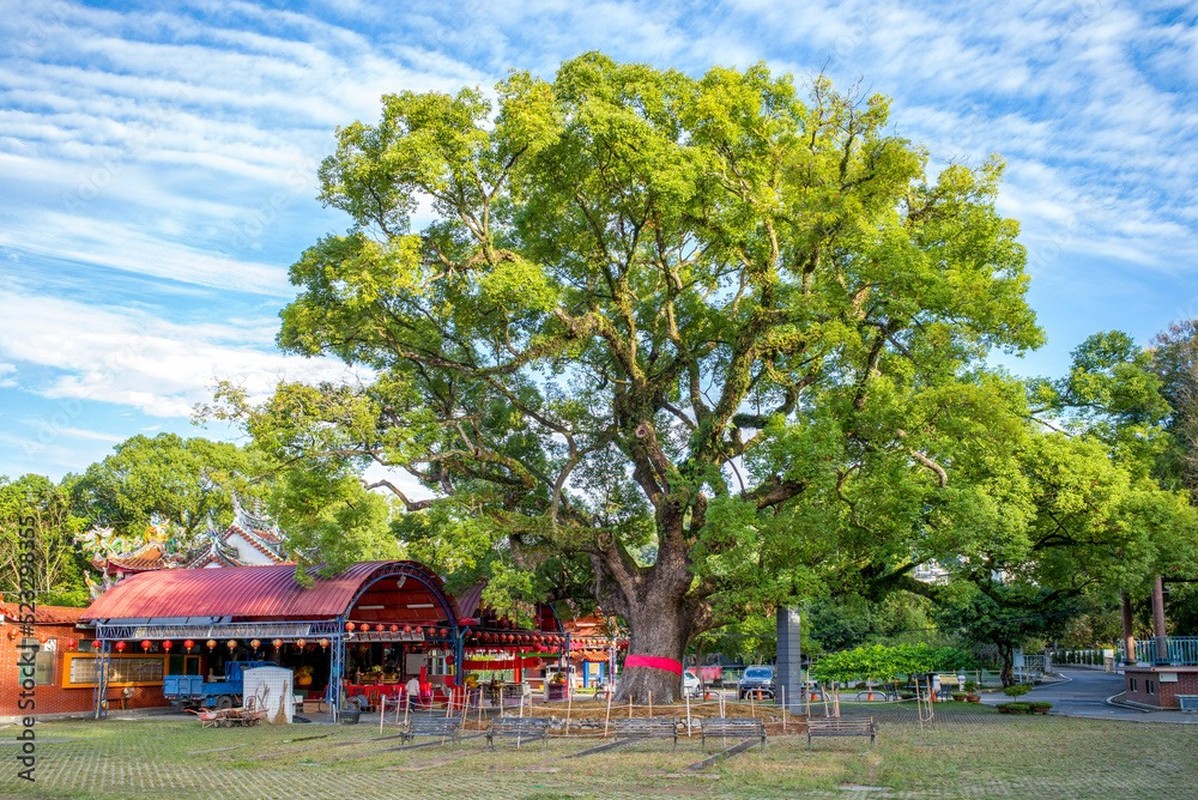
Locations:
(719, 339)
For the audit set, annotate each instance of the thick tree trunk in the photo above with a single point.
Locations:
(662, 616)
(660, 630)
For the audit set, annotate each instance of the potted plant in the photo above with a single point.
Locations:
(959, 696)
(303, 677)
(971, 692)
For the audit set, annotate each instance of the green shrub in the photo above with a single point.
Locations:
(1014, 708)
(1018, 690)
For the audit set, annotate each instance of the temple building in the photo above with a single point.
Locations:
(252, 539)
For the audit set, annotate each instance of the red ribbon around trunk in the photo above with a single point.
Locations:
(654, 662)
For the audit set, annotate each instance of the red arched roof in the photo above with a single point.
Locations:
(266, 592)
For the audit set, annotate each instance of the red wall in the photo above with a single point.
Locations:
(1166, 693)
(53, 698)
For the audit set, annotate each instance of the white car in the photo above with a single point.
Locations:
(692, 686)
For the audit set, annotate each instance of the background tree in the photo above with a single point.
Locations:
(188, 483)
(1174, 361)
(1122, 398)
(58, 574)
(700, 331)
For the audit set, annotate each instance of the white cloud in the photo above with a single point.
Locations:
(136, 359)
(129, 248)
(180, 147)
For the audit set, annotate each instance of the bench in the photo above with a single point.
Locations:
(425, 725)
(518, 728)
(647, 728)
(732, 728)
(841, 727)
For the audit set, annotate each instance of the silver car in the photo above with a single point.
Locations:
(757, 680)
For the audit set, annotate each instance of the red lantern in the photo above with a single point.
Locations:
(145, 644)
(211, 644)
(120, 647)
(407, 628)
(349, 626)
(167, 645)
(231, 644)
(365, 627)
(449, 660)
(188, 643)
(394, 628)
(96, 644)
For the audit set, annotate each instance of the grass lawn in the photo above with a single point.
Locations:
(969, 752)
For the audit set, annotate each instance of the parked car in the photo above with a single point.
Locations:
(692, 685)
(757, 680)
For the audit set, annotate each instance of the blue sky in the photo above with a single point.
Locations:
(157, 164)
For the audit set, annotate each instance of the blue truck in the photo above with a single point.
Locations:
(194, 691)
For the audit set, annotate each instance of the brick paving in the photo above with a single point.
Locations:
(174, 760)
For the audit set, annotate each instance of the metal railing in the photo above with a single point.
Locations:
(1177, 651)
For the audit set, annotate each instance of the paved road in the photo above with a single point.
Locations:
(1084, 693)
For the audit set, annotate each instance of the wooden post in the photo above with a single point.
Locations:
(686, 696)
(382, 711)
(607, 715)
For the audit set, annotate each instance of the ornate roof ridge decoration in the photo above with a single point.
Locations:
(258, 523)
(162, 546)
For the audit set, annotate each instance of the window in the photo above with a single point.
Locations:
(43, 668)
(124, 670)
(1150, 686)
(1131, 684)
(43, 660)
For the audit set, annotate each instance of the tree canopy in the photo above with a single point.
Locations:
(186, 483)
(719, 340)
(54, 570)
